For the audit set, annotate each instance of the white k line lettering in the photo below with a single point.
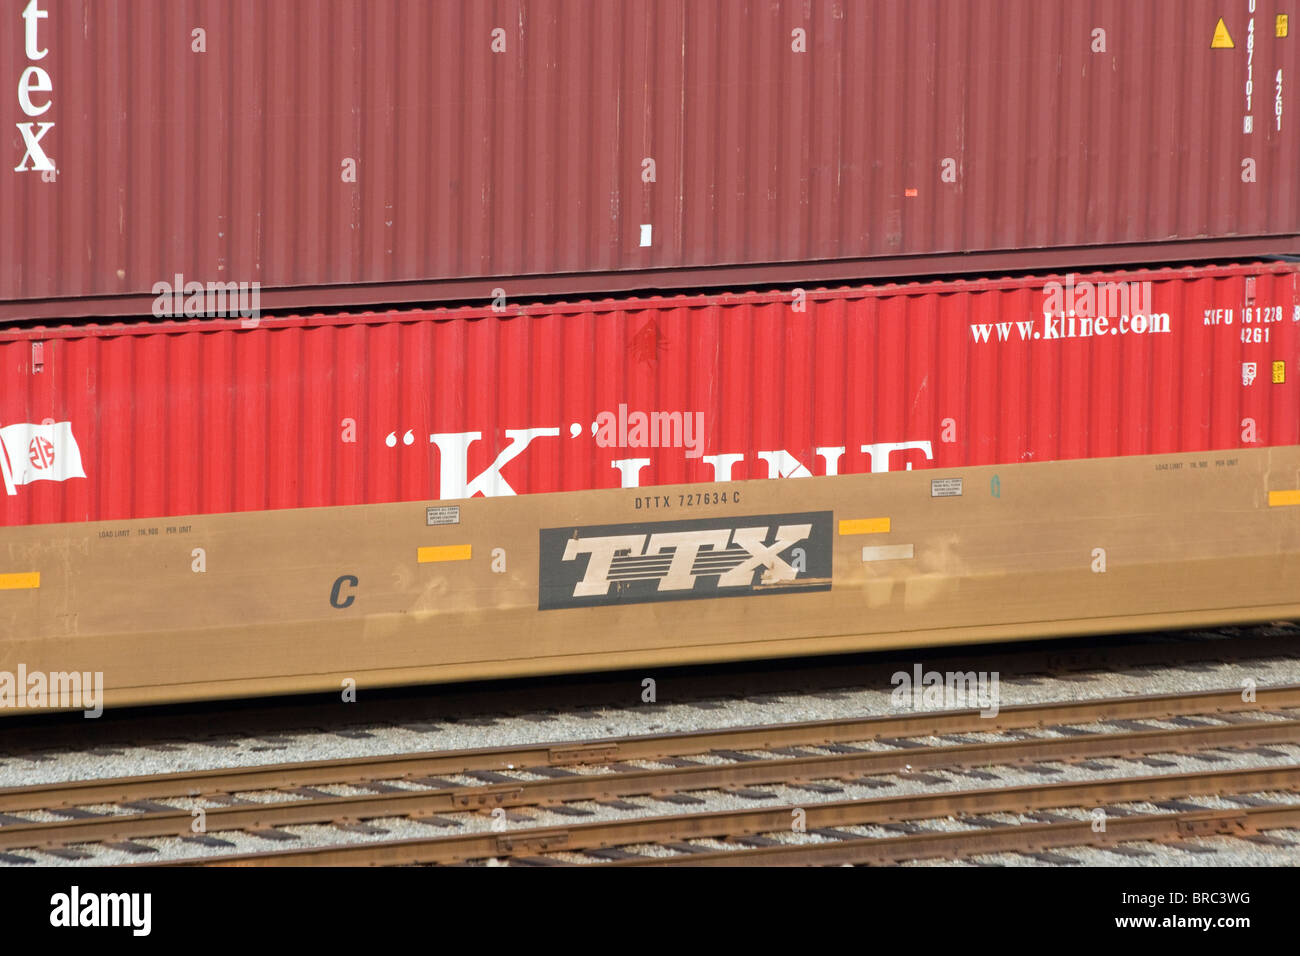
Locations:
(453, 449)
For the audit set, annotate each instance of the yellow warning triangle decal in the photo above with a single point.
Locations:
(1221, 41)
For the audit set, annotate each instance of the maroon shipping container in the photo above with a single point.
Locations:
(342, 153)
(146, 420)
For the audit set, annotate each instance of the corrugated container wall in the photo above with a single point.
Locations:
(315, 144)
(138, 421)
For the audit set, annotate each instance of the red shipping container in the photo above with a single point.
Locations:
(323, 410)
(372, 152)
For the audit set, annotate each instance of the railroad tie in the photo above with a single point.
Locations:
(66, 853)
(1093, 765)
(150, 806)
(830, 833)
(1250, 800)
(813, 787)
(490, 776)
(356, 826)
(203, 839)
(1130, 851)
(311, 793)
(229, 799)
(1189, 722)
(1179, 806)
(757, 840)
(435, 783)
(612, 853)
(130, 846)
(976, 774)
(737, 756)
(750, 793)
(898, 827)
(680, 798)
(1043, 816)
(982, 821)
(1265, 839)
(1190, 847)
(76, 813)
(1056, 859)
(1039, 768)
(687, 848)
(929, 779)
(1263, 752)
(875, 783)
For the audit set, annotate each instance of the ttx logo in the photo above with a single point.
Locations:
(676, 560)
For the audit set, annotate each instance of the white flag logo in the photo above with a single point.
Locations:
(38, 452)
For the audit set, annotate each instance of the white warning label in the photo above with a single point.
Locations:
(445, 514)
(945, 487)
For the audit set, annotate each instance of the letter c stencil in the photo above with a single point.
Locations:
(351, 581)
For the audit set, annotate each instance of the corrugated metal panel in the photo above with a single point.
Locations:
(347, 409)
(905, 128)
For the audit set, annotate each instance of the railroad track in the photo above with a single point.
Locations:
(1251, 822)
(557, 777)
(673, 829)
